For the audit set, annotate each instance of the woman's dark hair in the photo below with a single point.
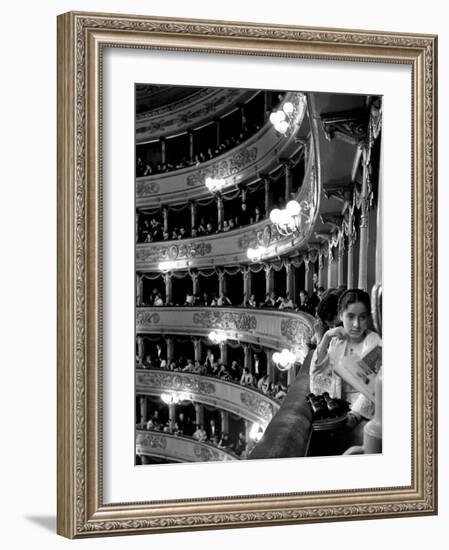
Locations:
(327, 309)
(351, 297)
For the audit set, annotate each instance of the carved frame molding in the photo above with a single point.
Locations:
(81, 511)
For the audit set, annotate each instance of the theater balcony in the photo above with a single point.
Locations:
(248, 403)
(275, 329)
(171, 448)
(259, 154)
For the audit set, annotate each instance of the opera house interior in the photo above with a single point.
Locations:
(258, 262)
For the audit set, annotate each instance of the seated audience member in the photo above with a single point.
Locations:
(156, 420)
(257, 216)
(263, 380)
(165, 236)
(209, 228)
(270, 300)
(285, 302)
(346, 345)
(158, 301)
(251, 302)
(180, 425)
(225, 226)
(182, 233)
(210, 359)
(190, 367)
(223, 373)
(281, 392)
(240, 444)
(235, 371)
(231, 224)
(223, 300)
(194, 232)
(148, 362)
(200, 433)
(304, 303)
(247, 378)
(189, 299)
(243, 217)
(225, 442)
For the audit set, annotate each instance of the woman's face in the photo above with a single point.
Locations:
(355, 321)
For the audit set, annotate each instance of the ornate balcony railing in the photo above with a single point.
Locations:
(194, 110)
(254, 156)
(272, 328)
(248, 403)
(178, 449)
(231, 247)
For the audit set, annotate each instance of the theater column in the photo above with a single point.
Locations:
(247, 362)
(197, 348)
(168, 288)
(223, 353)
(220, 212)
(330, 265)
(288, 180)
(199, 414)
(170, 349)
(191, 155)
(320, 268)
(268, 279)
(192, 214)
(224, 422)
(194, 277)
(350, 252)
(165, 218)
(143, 410)
(266, 183)
(221, 282)
(163, 151)
(340, 259)
(139, 290)
(289, 281)
(140, 349)
(271, 367)
(306, 274)
(246, 284)
(171, 416)
(217, 131)
(364, 223)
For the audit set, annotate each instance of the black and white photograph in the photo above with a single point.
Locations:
(258, 269)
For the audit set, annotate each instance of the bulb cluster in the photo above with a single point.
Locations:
(217, 337)
(280, 119)
(284, 360)
(214, 184)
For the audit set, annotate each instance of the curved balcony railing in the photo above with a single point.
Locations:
(272, 328)
(178, 449)
(254, 156)
(246, 402)
(195, 110)
(230, 248)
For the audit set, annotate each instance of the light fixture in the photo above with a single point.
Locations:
(290, 115)
(174, 398)
(256, 432)
(284, 360)
(214, 185)
(289, 220)
(256, 254)
(166, 266)
(217, 337)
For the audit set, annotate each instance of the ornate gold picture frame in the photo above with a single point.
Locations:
(82, 509)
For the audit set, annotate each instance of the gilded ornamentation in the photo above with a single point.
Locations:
(150, 441)
(225, 320)
(147, 318)
(389, 504)
(175, 381)
(259, 405)
(158, 253)
(224, 168)
(296, 331)
(144, 188)
(206, 454)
